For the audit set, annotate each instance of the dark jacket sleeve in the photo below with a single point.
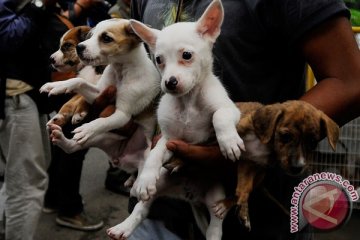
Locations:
(16, 28)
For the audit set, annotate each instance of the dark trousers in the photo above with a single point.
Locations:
(64, 180)
(268, 219)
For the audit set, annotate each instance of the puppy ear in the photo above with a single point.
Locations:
(265, 120)
(130, 32)
(330, 128)
(210, 22)
(82, 33)
(147, 34)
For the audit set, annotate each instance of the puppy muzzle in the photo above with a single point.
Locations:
(297, 167)
(296, 170)
(80, 50)
(171, 83)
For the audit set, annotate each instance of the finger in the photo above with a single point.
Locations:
(194, 152)
(155, 140)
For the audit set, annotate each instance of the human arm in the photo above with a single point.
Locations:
(79, 7)
(332, 52)
(77, 11)
(15, 28)
(17, 25)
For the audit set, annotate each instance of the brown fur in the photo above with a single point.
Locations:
(280, 127)
(124, 39)
(77, 104)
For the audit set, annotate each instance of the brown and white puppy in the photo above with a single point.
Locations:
(129, 68)
(283, 133)
(136, 80)
(65, 59)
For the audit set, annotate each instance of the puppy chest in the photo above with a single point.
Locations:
(192, 124)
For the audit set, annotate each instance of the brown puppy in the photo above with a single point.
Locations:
(283, 133)
(66, 60)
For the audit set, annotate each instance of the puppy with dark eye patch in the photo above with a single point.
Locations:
(135, 83)
(113, 43)
(282, 133)
(66, 59)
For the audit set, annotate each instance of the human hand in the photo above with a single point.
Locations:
(198, 154)
(86, 4)
(205, 160)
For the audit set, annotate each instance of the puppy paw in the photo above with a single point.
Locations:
(146, 185)
(120, 231)
(130, 181)
(59, 119)
(83, 133)
(58, 138)
(56, 133)
(54, 88)
(78, 117)
(47, 87)
(219, 209)
(231, 146)
(60, 87)
(244, 215)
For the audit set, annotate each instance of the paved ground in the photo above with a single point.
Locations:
(99, 202)
(112, 208)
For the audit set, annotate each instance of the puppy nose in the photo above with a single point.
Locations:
(171, 83)
(296, 170)
(80, 49)
(52, 60)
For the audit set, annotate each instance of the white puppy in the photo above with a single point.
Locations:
(195, 102)
(194, 105)
(113, 43)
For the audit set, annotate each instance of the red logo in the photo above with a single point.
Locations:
(326, 206)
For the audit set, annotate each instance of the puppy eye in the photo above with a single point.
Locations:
(186, 55)
(312, 143)
(66, 46)
(106, 38)
(286, 137)
(159, 60)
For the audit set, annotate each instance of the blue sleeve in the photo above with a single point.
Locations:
(14, 28)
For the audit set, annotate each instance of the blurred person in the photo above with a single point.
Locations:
(121, 9)
(86, 12)
(261, 55)
(24, 142)
(63, 194)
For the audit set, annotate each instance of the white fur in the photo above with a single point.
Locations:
(133, 74)
(186, 112)
(196, 108)
(83, 71)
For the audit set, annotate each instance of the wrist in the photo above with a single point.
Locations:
(75, 11)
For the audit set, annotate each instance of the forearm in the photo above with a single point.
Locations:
(334, 56)
(75, 11)
(337, 98)
(209, 157)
